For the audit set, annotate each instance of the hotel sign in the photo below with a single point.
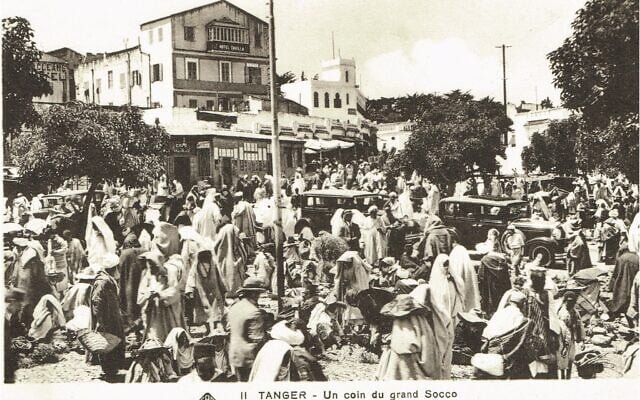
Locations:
(215, 45)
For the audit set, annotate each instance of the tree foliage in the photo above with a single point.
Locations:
(597, 67)
(612, 149)
(454, 134)
(283, 79)
(554, 150)
(78, 139)
(597, 70)
(546, 103)
(21, 82)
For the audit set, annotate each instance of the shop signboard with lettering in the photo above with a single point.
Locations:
(215, 45)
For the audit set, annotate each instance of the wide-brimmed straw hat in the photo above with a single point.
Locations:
(401, 306)
(251, 284)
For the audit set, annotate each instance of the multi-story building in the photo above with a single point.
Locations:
(117, 78)
(333, 95)
(527, 120)
(207, 57)
(60, 78)
(393, 134)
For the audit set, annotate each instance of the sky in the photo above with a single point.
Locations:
(400, 46)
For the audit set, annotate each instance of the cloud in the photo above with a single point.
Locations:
(433, 66)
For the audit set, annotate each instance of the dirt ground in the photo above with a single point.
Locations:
(73, 368)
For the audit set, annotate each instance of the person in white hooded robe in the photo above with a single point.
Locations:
(206, 221)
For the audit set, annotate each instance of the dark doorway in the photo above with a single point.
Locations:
(182, 170)
(226, 171)
(204, 162)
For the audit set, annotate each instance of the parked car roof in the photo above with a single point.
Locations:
(68, 193)
(342, 193)
(486, 200)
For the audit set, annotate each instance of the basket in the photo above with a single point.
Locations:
(98, 342)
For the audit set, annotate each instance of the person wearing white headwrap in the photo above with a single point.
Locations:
(179, 343)
(244, 219)
(206, 221)
(634, 235)
(373, 231)
(444, 294)
(460, 264)
(274, 360)
(99, 238)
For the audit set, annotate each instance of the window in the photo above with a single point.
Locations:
(225, 71)
(253, 75)
(190, 33)
(192, 69)
(227, 34)
(347, 98)
(109, 79)
(193, 103)
(123, 80)
(223, 104)
(136, 78)
(289, 158)
(150, 36)
(346, 76)
(210, 104)
(257, 36)
(316, 99)
(337, 102)
(156, 73)
(326, 100)
(160, 35)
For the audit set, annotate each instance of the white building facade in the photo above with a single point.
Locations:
(207, 57)
(525, 124)
(394, 134)
(333, 95)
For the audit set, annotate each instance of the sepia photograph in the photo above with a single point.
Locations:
(261, 191)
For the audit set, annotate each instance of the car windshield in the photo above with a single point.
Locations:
(518, 211)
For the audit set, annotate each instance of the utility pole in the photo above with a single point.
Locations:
(504, 75)
(333, 47)
(275, 156)
(505, 138)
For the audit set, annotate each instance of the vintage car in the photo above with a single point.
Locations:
(474, 216)
(320, 205)
(49, 201)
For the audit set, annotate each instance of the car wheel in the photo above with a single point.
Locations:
(548, 257)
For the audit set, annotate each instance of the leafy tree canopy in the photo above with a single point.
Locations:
(554, 150)
(597, 67)
(21, 82)
(85, 140)
(454, 134)
(612, 149)
(597, 70)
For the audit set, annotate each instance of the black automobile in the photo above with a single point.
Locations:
(320, 205)
(474, 216)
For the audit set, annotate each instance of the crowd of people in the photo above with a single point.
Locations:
(183, 282)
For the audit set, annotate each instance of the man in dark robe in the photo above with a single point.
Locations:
(537, 309)
(28, 275)
(436, 240)
(105, 317)
(130, 273)
(493, 281)
(350, 231)
(621, 281)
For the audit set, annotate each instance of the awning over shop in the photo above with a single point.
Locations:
(326, 145)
